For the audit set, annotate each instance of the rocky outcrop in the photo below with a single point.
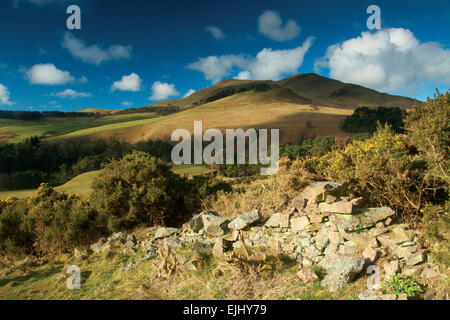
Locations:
(322, 227)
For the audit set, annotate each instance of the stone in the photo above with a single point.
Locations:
(315, 218)
(202, 249)
(299, 224)
(151, 253)
(342, 270)
(344, 207)
(298, 203)
(307, 276)
(322, 240)
(289, 248)
(416, 258)
(196, 223)
(164, 232)
(131, 241)
(375, 232)
(278, 220)
(173, 242)
(330, 199)
(307, 262)
(361, 218)
(96, 247)
(391, 269)
(312, 253)
(370, 255)
(334, 237)
(215, 226)
(371, 294)
(118, 236)
(245, 220)
(317, 191)
(221, 246)
(361, 239)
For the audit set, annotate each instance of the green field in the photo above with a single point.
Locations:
(18, 130)
(82, 184)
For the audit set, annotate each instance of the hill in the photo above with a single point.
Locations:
(304, 104)
(308, 88)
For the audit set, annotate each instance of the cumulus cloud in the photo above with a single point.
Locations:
(94, 54)
(4, 96)
(70, 93)
(131, 82)
(48, 74)
(215, 32)
(270, 24)
(268, 64)
(387, 60)
(127, 103)
(188, 93)
(162, 91)
(41, 2)
(215, 68)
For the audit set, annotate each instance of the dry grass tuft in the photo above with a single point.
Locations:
(267, 195)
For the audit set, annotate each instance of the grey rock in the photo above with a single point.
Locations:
(330, 199)
(215, 226)
(173, 242)
(342, 270)
(245, 220)
(299, 223)
(164, 232)
(318, 191)
(343, 207)
(391, 269)
(278, 220)
(416, 258)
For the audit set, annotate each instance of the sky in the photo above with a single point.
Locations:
(134, 53)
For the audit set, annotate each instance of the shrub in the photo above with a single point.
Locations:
(381, 167)
(428, 127)
(15, 236)
(400, 284)
(365, 119)
(139, 189)
(60, 221)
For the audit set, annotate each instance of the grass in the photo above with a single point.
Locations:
(18, 130)
(82, 184)
(103, 277)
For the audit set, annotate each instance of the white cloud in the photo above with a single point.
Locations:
(216, 32)
(215, 68)
(388, 60)
(48, 74)
(270, 24)
(162, 91)
(70, 93)
(41, 2)
(4, 96)
(188, 93)
(268, 64)
(131, 82)
(94, 54)
(127, 103)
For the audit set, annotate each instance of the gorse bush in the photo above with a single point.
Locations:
(138, 189)
(380, 166)
(428, 127)
(141, 189)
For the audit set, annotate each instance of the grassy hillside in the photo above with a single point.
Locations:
(304, 104)
(17, 130)
(278, 108)
(82, 184)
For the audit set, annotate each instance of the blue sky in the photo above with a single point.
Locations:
(135, 53)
